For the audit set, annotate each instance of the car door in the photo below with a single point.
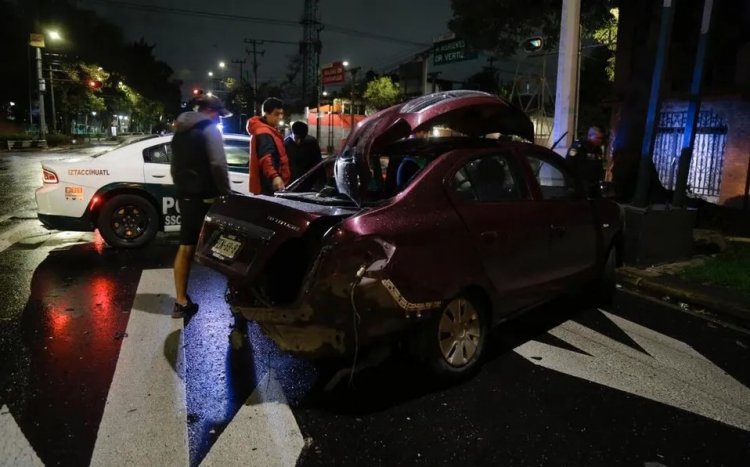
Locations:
(571, 227)
(238, 157)
(505, 224)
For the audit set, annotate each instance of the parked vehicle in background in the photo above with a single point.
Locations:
(126, 192)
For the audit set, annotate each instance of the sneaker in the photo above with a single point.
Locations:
(179, 311)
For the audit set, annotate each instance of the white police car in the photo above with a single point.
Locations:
(126, 192)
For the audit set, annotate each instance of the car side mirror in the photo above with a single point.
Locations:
(603, 190)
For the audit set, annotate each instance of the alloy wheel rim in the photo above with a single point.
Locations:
(129, 222)
(459, 333)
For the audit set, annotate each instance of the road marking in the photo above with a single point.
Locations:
(144, 421)
(264, 431)
(16, 233)
(672, 372)
(14, 447)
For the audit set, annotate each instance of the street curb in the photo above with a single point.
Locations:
(718, 301)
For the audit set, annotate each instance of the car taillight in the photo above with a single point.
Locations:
(49, 176)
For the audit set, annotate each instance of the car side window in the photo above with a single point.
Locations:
(488, 179)
(238, 152)
(553, 177)
(161, 154)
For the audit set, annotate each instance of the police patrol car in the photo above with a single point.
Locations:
(126, 192)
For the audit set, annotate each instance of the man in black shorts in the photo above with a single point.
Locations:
(199, 172)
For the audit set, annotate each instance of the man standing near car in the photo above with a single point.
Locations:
(199, 172)
(269, 164)
(302, 149)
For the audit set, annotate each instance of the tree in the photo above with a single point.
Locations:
(498, 26)
(90, 44)
(381, 93)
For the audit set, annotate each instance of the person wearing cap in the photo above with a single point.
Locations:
(269, 164)
(302, 149)
(199, 172)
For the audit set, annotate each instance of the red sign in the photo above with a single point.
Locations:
(334, 73)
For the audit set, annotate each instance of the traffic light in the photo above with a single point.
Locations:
(94, 84)
(197, 92)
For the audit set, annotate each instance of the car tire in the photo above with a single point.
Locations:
(128, 221)
(453, 341)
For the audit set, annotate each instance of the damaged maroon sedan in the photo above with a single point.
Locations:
(444, 236)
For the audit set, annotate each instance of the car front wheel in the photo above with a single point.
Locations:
(454, 339)
(128, 221)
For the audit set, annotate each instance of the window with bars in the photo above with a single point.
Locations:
(708, 151)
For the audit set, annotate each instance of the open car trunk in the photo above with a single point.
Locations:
(267, 243)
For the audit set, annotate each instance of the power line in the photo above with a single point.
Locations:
(252, 19)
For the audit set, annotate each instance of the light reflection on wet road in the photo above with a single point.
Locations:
(67, 299)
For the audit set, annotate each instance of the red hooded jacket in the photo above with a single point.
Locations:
(272, 165)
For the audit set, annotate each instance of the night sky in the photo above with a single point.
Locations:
(193, 45)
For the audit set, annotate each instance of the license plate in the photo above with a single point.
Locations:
(226, 247)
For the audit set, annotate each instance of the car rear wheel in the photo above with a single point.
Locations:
(128, 221)
(453, 341)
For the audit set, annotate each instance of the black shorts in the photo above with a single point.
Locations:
(192, 212)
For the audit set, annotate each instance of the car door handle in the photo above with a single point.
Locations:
(237, 181)
(158, 176)
(557, 231)
(489, 237)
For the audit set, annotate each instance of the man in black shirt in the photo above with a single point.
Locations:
(302, 149)
(199, 172)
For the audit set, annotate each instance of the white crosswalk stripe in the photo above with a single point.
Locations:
(263, 433)
(14, 447)
(144, 421)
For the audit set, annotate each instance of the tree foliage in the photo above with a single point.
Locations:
(498, 26)
(381, 93)
(91, 48)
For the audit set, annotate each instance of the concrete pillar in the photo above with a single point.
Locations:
(566, 99)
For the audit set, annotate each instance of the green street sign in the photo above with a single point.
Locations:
(451, 51)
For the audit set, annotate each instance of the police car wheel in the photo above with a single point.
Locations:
(128, 221)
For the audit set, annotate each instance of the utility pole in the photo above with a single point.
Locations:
(688, 142)
(643, 185)
(241, 63)
(310, 48)
(353, 71)
(255, 52)
(52, 97)
(567, 75)
(40, 76)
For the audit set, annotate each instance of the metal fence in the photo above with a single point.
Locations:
(704, 178)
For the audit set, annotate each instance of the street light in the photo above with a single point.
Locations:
(210, 73)
(54, 35)
(222, 65)
(345, 63)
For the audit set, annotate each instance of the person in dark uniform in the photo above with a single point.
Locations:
(586, 157)
(302, 149)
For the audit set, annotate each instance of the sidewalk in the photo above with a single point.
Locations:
(662, 282)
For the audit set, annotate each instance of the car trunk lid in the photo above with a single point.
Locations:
(242, 235)
(472, 113)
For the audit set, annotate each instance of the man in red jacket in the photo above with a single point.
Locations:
(269, 164)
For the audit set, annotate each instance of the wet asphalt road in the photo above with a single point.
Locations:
(639, 383)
